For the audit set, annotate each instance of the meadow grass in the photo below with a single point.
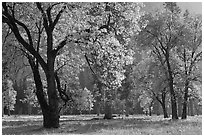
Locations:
(85, 124)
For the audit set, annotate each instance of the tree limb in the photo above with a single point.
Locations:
(58, 17)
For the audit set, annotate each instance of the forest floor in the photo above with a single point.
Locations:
(88, 124)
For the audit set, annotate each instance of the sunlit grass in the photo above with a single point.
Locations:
(133, 125)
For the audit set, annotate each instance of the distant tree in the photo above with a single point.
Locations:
(30, 96)
(9, 97)
(150, 79)
(84, 101)
(146, 102)
(111, 27)
(161, 33)
(189, 56)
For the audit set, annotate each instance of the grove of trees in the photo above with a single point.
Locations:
(100, 57)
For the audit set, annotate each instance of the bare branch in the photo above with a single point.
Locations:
(45, 22)
(12, 24)
(61, 44)
(27, 31)
(58, 17)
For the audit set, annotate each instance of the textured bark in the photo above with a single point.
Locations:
(52, 94)
(50, 115)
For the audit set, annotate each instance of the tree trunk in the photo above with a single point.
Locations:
(127, 110)
(97, 107)
(163, 104)
(3, 108)
(50, 114)
(98, 98)
(171, 87)
(164, 110)
(53, 99)
(191, 107)
(179, 107)
(150, 111)
(108, 105)
(9, 112)
(184, 113)
(108, 109)
(29, 109)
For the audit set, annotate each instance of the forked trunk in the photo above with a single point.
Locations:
(53, 115)
(164, 110)
(171, 88)
(50, 111)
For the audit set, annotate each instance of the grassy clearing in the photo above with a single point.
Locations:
(133, 125)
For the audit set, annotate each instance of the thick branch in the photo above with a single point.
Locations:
(89, 64)
(58, 17)
(61, 44)
(62, 92)
(27, 31)
(196, 59)
(45, 22)
(12, 24)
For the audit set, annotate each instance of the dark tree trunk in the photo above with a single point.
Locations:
(98, 98)
(127, 110)
(108, 110)
(9, 112)
(184, 113)
(50, 115)
(179, 107)
(29, 109)
(171, 87)
(108, 105)
(164, 110)
(191, 107)
(2, 110)
(150, 111)
(52, 94)
(163, 104)
(97, 107)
